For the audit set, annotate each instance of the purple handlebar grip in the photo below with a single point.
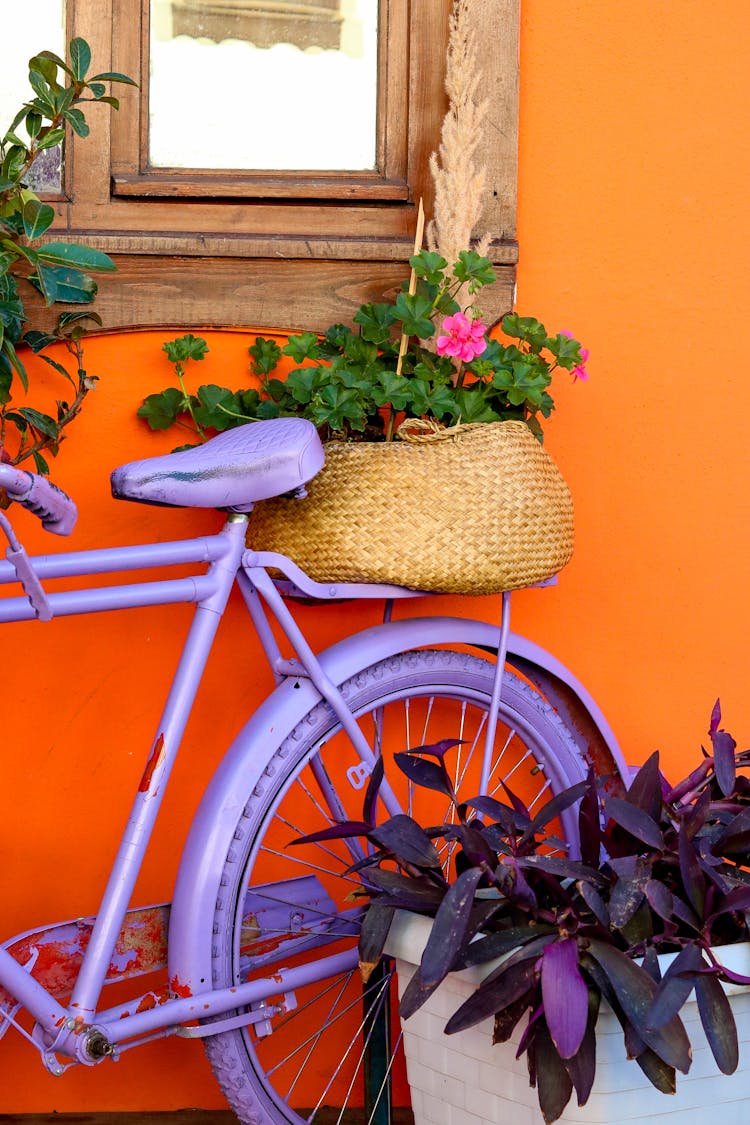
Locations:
(49, 503)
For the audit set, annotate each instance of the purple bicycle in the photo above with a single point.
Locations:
(257, 952)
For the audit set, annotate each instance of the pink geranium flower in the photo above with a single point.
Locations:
(579, 372)
(462, 338)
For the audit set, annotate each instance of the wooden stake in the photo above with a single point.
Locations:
(419, 235)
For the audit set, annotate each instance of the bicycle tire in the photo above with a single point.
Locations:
(262, 1075)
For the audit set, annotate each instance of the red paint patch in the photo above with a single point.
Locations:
(178, 989)
(154, 759)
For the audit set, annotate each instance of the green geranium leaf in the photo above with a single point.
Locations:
(473, 406)
(566, 350)
(334, 341)
(391, 389)
(523, 385)
(429, 266)
(249, 400)
(526, 328)
(446, 305)
(304, 383)
(162, 410)
(375, 322)
(183, 348)
(276, 390)
(302, 347)
(337, 406)
(265, 355)
(360, 352)
(218, 407)
(268, 409)
(414, 310)
(474, 270)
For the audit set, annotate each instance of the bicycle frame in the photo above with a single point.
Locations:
(82, 1033)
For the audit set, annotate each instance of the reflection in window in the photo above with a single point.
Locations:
(263, 85)
(22, 38)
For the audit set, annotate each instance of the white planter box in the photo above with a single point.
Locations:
(464, 1080)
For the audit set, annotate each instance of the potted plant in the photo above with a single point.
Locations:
(433, 477)
(32, 263)
(466, 411)
(578, 960)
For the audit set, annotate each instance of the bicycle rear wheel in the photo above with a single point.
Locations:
(327, 1057)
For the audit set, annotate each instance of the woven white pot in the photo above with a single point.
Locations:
(464, 1080)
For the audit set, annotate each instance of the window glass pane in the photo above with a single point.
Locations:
(263, 84)
(28, 28)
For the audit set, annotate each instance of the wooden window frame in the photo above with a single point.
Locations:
(288, 250)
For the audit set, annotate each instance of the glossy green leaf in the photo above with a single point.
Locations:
(80, 58)
(68, 285)
(37, 218)
(39, 421)
(113, 76)
(77, 121)
(80, 257)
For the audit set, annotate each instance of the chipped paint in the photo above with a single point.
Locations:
(179, 989)
(155, 759)
(54, 953)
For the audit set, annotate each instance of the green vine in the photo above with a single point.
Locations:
(57, 271)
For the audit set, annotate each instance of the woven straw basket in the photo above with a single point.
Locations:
(476, 510)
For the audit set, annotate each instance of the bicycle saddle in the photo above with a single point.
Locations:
(232, 470)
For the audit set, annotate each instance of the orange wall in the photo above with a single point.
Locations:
(634, 234)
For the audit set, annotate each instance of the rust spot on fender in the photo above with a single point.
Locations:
(179, 989)
(154, 759)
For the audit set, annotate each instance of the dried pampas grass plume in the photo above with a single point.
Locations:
(458, 174)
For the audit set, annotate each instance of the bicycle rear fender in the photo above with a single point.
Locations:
(210, 836)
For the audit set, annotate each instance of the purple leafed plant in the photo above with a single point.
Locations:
(655, 870)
